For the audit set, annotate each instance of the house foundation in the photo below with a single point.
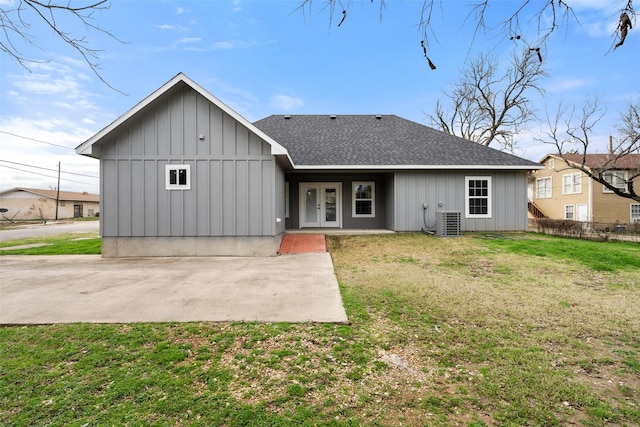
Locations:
(123, 247)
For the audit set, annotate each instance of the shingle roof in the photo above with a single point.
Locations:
(64, 195)
(599, 161)
(378, 141)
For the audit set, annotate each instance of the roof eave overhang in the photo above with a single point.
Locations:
(418, 167)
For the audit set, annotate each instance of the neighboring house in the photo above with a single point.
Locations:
(33, 203)
(184, 174)
(563, 192)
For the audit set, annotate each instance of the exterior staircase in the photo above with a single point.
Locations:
(535, 211)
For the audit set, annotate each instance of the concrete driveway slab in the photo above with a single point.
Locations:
(88, 288)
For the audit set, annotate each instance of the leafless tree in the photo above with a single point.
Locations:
(489, 104)
(19, 19)
(571, 132)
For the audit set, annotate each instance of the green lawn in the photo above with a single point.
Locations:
(517, 329)
(60, 244)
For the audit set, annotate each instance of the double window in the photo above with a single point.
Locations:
(364, 197)
(178, 177)
(617, 179)
(543, 188)
(478, 200)
(572, 183)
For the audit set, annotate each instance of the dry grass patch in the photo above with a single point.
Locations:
(521, 325)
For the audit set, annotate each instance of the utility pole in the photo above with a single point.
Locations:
(58, 192)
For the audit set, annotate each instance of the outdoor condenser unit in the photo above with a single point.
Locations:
(448, 223)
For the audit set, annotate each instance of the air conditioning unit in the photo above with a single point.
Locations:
(448, 223)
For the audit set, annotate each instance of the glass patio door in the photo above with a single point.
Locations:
(320, 205)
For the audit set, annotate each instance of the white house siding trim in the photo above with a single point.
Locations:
(445, 191)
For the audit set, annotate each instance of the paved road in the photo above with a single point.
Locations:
(25, 232)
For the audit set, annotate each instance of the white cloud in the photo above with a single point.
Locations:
(605, 5)
(20, 151)
(48, 109)
(45, 84)
(569, 84)
(184, 40)
(167, 27)
(286, 103)
(239, 44)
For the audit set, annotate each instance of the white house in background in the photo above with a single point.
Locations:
(33, 203)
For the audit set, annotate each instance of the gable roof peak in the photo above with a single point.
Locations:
(86, 147)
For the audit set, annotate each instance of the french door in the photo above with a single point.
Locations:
(320, 205)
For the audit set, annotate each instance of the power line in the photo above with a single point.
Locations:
(47, 169)
(48, 176)
(36, 140)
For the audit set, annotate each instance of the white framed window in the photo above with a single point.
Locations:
(543, 188)
(364, 200)
(572, 183)
(616, 178)
(286, 199)
(478, 201)
(552, 163)
(569, 212)
(178, 177)
(635, 212)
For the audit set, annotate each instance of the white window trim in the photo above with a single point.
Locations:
(466, 198)
(573, 211)
(552, 163)
(373, 199)
(169, 168)
(621, 174)
(633, 220)
(550, 193)
(575, 188)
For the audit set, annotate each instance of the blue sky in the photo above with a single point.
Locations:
(265, 57)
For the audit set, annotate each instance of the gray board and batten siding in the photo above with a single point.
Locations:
(445, 191)
(232, 201)
(401, 196)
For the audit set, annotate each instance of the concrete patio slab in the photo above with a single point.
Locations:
(88, 288)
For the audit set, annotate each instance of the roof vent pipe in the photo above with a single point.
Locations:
(378, 117)
(332, 117)
(287, 117)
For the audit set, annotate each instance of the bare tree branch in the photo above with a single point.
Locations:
(17, 22)
(541, 18)
(487, 106)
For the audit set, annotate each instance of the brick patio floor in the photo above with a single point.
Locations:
(302, 243)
